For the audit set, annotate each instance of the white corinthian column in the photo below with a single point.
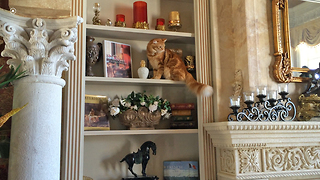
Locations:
(42, 48)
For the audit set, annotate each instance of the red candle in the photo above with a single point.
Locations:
(140, 11)
(160, 21)
(120, 17)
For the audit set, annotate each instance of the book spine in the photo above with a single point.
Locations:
(177, 106)
(184, 125)
(182, 118)
(182, 112)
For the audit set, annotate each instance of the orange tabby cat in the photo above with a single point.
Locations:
(169, 64)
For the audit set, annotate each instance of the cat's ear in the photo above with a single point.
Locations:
(155, 41)
(164, 40)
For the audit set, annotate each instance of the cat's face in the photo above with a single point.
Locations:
(157, 44)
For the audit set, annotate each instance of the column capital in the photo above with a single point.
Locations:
(41, 46)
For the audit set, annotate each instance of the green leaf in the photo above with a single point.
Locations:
(12, 75)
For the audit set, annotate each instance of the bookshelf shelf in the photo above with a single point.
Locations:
(140, 132)
(141, 34)
(130, 81)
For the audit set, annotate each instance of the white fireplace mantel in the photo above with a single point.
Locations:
(266, 150)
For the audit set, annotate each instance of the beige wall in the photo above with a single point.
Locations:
(242, 33)
(41, 8)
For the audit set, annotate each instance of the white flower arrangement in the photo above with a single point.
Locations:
(136, 100)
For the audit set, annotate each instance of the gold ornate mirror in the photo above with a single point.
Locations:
(296, 27)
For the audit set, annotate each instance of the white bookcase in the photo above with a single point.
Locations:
(101, 151)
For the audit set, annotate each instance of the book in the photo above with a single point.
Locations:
(176, 106)
(117, 59)
(182, 118)
(181, 112)
(183, 125)
(96, 108)
(180, 170)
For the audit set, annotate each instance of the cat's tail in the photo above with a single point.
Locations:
(198, 88)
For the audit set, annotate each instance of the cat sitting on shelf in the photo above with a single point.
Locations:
(169, 64)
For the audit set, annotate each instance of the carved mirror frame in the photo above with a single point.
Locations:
(282, 70)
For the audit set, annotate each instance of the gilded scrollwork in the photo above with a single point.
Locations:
(282, 70)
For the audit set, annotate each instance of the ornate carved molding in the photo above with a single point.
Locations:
(227, 161)
(292, 158)
(266, 149)
(242, 126)
(41, 49)
(307, 175)
(249, 160)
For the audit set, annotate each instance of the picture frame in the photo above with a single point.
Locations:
(117, 59)
(180, 170)
(96, 110)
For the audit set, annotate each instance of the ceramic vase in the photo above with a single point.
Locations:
(143, 71)
(92, 54)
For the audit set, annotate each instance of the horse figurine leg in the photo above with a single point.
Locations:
(144, 165)
(130, 161)
(130, 169)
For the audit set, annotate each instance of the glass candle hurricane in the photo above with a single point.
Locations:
(248, 98)
(261, 93)
(283, 90)
(160, 24)
(174, 21)
(120, 17)
(235, 101)
(272, 97)
(235, 104)
(140, 17)
(120, 20)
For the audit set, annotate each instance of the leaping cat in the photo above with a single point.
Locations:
(169, 64)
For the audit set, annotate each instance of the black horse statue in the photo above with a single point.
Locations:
(140, 157)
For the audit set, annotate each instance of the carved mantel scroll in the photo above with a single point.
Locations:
(263, 150)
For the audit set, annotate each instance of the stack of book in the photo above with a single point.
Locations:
(183, 116)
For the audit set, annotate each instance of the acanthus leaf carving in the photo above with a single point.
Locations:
(40, 51)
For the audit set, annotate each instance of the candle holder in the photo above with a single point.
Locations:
(234, 105)
(248, 99)
(283, 90)
(120, 21)
(96, 9)
(140, 15)
(272, 109)
(261, 93)
(174, 21)
(160, 24)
